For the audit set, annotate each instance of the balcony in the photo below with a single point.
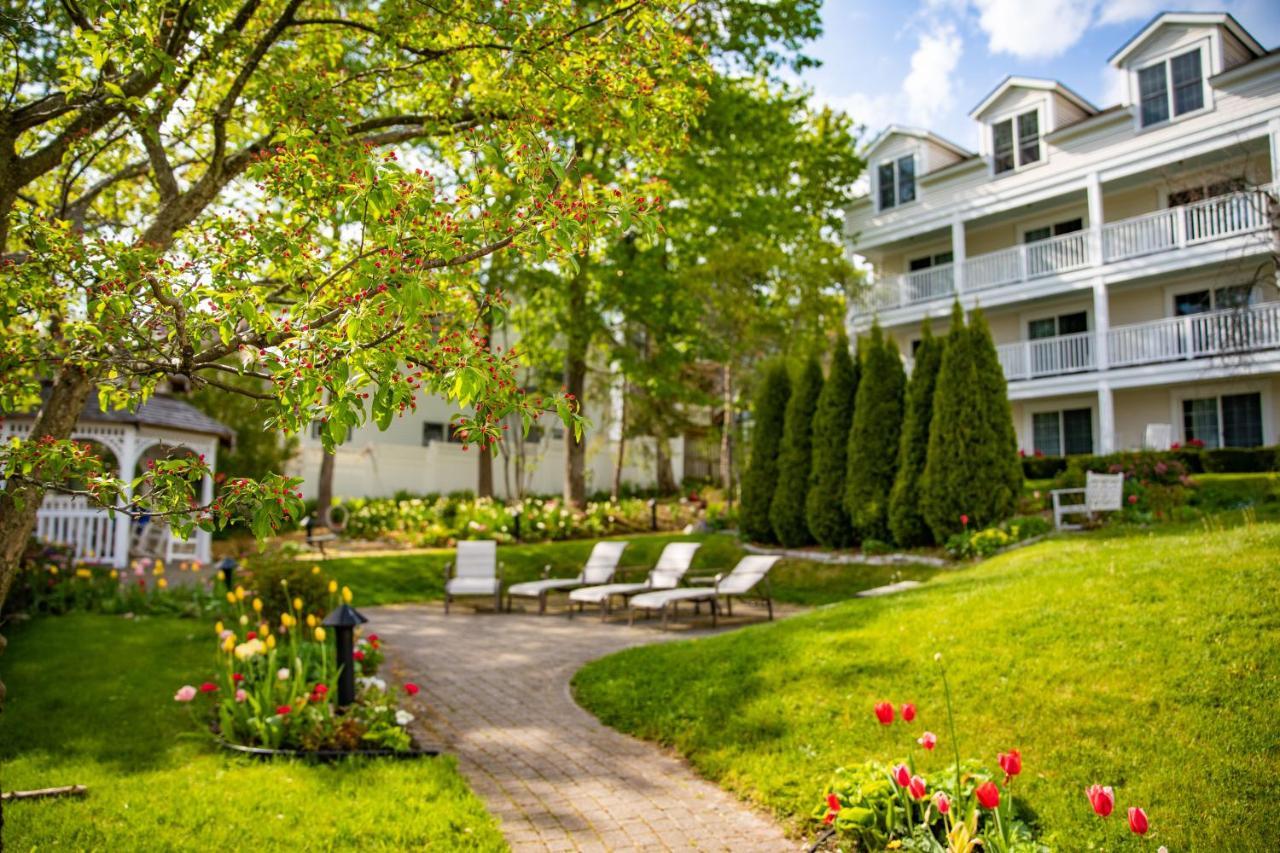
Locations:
(1170, 230)
(1217, 333)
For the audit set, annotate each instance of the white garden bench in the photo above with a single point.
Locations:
(1102, 493)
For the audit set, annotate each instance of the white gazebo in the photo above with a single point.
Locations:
(162, 425)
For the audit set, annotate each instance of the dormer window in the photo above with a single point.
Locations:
(896, 180)
(1158, 99)
(1011, 153)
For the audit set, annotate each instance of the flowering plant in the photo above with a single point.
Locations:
(276, 681)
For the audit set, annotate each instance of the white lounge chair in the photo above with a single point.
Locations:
(749, 572)
(475, 571)
(599, 569)
(672, 564)
(1102, 493)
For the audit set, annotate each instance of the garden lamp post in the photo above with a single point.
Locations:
(653, 513)
(343, 620)
(228, 566)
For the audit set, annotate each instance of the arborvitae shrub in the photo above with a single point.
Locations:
(787, 510)
(824, 505)
(873, 439)
(906, 521)
(761, 477)
(999, 459)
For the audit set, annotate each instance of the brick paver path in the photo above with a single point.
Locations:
(495, 692)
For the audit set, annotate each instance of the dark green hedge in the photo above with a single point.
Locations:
(1224, 460)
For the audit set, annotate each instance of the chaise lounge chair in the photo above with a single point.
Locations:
(666, 574)
(749, 572)
(599, 570)
(475, 571)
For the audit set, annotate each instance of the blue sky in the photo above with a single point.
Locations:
(928, 63)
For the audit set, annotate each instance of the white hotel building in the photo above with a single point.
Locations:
(1124, 257)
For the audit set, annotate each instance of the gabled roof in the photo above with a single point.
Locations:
(916, 133)
(159, 410)
(1011, 82)
(1222, 19)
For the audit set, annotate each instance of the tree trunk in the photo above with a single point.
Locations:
(324, 490)
(20, 500)
(575, 383)
(666, 479)
(622, 447)
(726, 434)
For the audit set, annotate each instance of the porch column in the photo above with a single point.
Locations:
(1093, 189)
(1273, 137)
(128, 460)
(1106, 419)
(957, 256)
(1101, 325)
(203, 538)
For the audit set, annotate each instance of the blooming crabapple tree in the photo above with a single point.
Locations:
(300, 192)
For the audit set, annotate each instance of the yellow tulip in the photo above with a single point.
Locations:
(114, 574)
(311, 620)
(315, 570)
(271, 641)
(217, 627)
(231, 598)
(319, 634)
(229, 644)
(297, 604)
(257, 605)
(333, 585)
(240, 593)
(84, 573)
(53, 570)
(346, 594)
(264, 629)
(162, 584)
(159, 567)
(244, 620)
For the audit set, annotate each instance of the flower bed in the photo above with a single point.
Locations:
(275, 679)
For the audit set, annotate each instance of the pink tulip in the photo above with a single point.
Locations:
(916, 788)
(1138, 820)
(1103, 799)
(928, 740)
(941, 802)
(902, 775)
(241, 695)
(185, 693)
(908, 712)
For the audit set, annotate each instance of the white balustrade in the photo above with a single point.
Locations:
(927, 284)
(1142, 235)
(1057, 254)
(1048, 356)
(1226, 332)
(71, 521)
(993, 269)
(1187, 225)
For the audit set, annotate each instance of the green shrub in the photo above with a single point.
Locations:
(876, 547)
(906, 521)
(824, 504)
(1043, 467)
(277, 577)
(761, 477)
(972, 467)
(873, 439)
(1240, 460)
(787, 510)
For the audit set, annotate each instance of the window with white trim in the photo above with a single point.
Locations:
(896, 181)
(1009, 152)
(1170, 87)
(1232, 420)
(1064, 433)
(926, 261)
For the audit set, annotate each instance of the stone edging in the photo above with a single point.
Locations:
(848, 559)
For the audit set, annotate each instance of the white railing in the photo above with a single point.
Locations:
(1199, 222)
(1234, 330)
(1047, 356)
(994, 269)
(1057, 254)
(71, 521)
(924, 285)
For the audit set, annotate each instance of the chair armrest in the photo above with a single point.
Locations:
(1058, 494)
(719, 577)
(624, 571)
(701, 580)
(448, 570)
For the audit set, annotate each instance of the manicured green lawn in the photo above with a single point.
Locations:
(1145, 660)
(90, 702)
(420, 577)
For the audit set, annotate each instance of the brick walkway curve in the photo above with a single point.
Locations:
(496, 691)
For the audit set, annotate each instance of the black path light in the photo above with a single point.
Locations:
(653, 513)
(228, 566)
(344, 620)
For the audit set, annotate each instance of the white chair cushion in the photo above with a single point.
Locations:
(471, 586)
(536, 588)
(596, 594)
(476, 559)
(656, 599)
(603, 562)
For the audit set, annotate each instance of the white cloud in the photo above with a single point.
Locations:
(1115, 87)
(1120, 11)
(928, 85)
(1034, 29)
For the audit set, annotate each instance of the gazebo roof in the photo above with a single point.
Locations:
(159, 411)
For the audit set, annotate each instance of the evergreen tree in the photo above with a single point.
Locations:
(786, 512)
(761, 477)
(873, 438)
(906, 521)
(972, 465)
(824, 505)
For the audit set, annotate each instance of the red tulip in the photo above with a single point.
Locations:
(964, 519)
(1010, 763)
(1138, 820)
(916, 788)
(320, 689)
(283, 709)
(884, 713)
(358, 655)
(251, 635)
(1103, 799)
(1133, 499)
(411, 688)
(988, 795)
(908, 712)
(902, 775)
(942, 802)
(208, 687)
(237, 677)
(928, 740)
